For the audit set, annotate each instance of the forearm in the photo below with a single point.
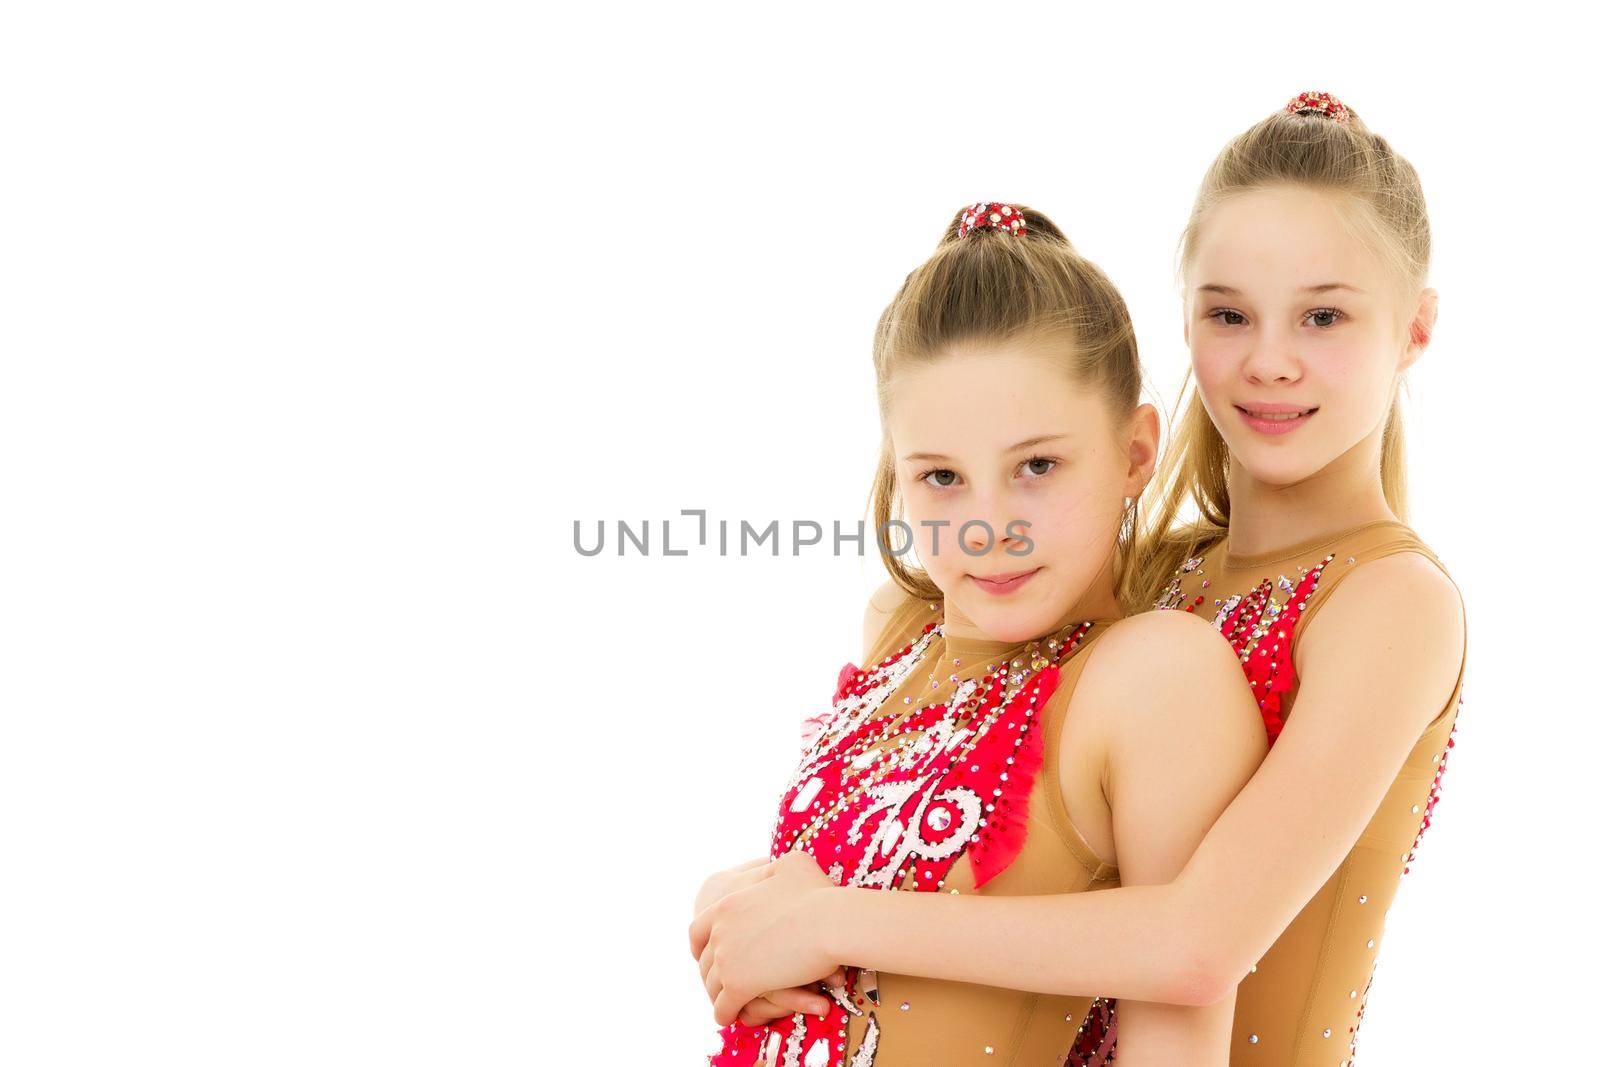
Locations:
(1140, 942)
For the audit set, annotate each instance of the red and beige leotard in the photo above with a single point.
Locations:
(1302, 1003)
(937, 771)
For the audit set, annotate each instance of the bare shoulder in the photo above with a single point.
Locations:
(1170, 671)
(1156, 651)
(881, 606)
(1170, 733)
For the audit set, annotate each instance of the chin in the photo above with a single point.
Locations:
(1021, 623)
(1278, 470)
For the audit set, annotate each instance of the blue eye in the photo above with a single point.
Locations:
(1029, 462)
(923, 477)
(1324, 317)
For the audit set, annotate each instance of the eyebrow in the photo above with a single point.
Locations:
(1228, 290)
(1019, 446)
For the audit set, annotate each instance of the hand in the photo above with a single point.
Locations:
(782, 1003)
(727, 881)
(762, 937)
(777, 1004)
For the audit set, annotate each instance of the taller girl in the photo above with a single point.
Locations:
(1304, 266)
(1304, 272)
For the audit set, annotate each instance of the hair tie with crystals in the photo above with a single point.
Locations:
(1325, 104)
(1002, 217)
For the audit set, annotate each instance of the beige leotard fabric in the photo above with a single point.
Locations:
(927, 1021)
(1302, 1003)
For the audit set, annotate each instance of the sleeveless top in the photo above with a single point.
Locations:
(937, 770)
(1302, 1003)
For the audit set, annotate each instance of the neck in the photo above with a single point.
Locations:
(1345, 493)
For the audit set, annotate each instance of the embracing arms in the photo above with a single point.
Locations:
(1142, 753)
(1376, 669)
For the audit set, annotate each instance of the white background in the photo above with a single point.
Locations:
(322, 323)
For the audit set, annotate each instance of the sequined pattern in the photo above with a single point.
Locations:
(1260, 624)
(888, 798)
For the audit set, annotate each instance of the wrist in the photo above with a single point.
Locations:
(826, 914)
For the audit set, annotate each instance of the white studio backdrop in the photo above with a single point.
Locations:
(323, 323)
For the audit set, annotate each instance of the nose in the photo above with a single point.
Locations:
(1271, 360)
(980, 540)
(975, 539)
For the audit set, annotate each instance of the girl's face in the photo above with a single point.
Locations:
(1001, 436)
(1296, 331)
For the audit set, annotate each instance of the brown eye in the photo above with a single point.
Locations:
(1325, 317)
(1228, 317)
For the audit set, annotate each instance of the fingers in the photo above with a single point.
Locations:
(713, 985)
(836, 979)
(725, 1007)
(700, 931)
(706, 963)
(761, 1011)
(781, 1003)
(700, 927)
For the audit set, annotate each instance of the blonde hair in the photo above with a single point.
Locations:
(1313, 151)
(996, 287)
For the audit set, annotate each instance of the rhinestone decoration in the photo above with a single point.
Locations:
(869, 1045)
(1261, 623)
(891, 795)
(1315, 103)
(1096, 1042)
(1002, 218)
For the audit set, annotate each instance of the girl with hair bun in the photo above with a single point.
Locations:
(1304, 270)
(1003, 685)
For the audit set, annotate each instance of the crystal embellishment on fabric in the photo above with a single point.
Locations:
(791, 1049)
(1260, 627)
(843, 999)
(869, 1045)
(890, 796)
(803, 799)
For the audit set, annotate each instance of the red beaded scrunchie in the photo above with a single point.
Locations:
(1320, 104)
(1002, 217)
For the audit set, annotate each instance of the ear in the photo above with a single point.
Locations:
(1143, 434)
(1421, 328)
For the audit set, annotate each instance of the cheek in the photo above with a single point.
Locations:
(1353, 371)
(923, 510)
(1073, 519)
(1213, 362)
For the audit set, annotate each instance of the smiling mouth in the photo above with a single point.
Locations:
(1004, 583)
(1278, 416)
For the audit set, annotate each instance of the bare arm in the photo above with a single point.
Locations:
(1376, 669)
(1172, 766)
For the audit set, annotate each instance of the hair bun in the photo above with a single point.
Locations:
(1001, 217)
(1325, 104)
